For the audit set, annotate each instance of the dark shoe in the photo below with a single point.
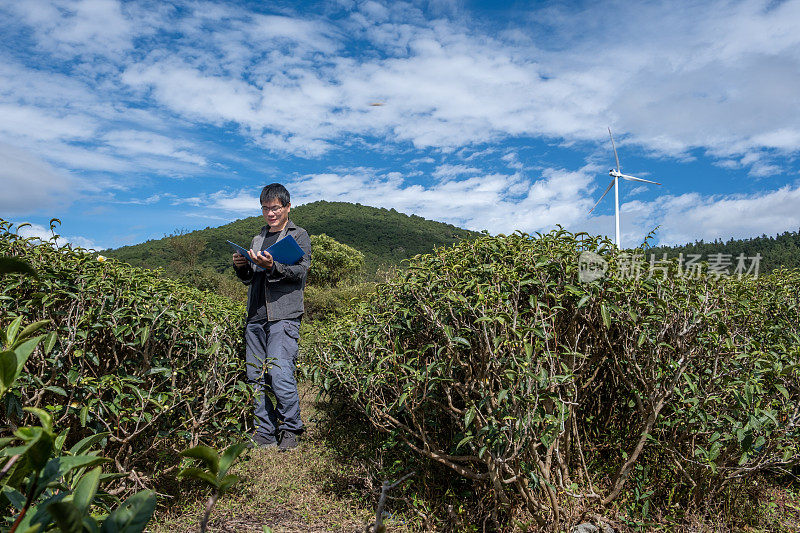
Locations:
(260, 441)
(288, 441)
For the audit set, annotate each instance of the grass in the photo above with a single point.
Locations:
(323, 485)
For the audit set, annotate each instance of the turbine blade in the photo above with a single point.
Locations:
(614, 146)
(604, 195)
(634, 178)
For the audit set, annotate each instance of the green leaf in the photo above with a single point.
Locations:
(12, 362)
(462, 341)
(402, 399)
(57, 390)
(58, 467)
(44, 417)
(14, 497)
(482, 451)
(206, 454)
(86, 443)
(50, 342)
(59, 442)
(8, 371)
(606, 316)
(37, 448)
(85, 489)
(30, 329)
(469, 416)
(227, 482)
(25, 349)
(229, 456)
(11, 331)
(198, 473)
(143, 335)
(642, 338)
(67, 516)
(132, 515)
(464, 441)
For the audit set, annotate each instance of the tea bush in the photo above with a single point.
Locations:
(556, 396)
(323, 303)
(333, 263)
(42, 484)
(149, 360)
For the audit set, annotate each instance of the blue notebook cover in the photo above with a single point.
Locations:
(286, 251)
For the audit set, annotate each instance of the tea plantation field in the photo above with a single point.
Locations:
(516, 396)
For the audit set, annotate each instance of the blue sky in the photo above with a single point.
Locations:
(130, 120)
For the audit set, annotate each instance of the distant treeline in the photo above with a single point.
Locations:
(385, 237)
(781, 250)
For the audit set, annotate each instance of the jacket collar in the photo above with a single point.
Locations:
(290, 226)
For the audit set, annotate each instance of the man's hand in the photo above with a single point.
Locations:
(239, 260)
(262, 259)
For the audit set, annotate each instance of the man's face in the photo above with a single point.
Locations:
(275, 214)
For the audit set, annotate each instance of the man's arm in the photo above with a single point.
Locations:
(245, 272)
(296, 272)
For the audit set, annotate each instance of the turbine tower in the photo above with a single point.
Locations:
(615, 175)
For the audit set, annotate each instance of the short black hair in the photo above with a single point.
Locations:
(275, 191)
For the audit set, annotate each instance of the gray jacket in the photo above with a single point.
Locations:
(284, 283)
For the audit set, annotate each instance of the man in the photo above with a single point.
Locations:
(274, 310)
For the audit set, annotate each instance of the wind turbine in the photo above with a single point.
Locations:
(615, 175)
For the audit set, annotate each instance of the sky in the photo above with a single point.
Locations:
(131, 120)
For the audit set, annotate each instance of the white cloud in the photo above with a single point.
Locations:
(512, 161)
(446, 85)
(41, 125)
(689, 217)
(30, 184)
(75, 125)
(495, 202)
(138, 143)
(242, 202)
(636, 190)
(719, 76)
(450, 171)
(150, 200)
(65, 27)
(37, 231)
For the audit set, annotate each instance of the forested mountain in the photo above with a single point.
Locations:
(781, 250)
(384, 236)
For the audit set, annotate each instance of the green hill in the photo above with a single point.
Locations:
(384, 236)
(781, 250)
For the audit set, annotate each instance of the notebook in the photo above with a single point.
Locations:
(286, 251)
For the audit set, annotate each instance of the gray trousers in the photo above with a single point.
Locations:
(271, 355)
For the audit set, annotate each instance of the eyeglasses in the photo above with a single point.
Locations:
(273, 209)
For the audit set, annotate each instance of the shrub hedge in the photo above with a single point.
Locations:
(556, 396)
(151, 361)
